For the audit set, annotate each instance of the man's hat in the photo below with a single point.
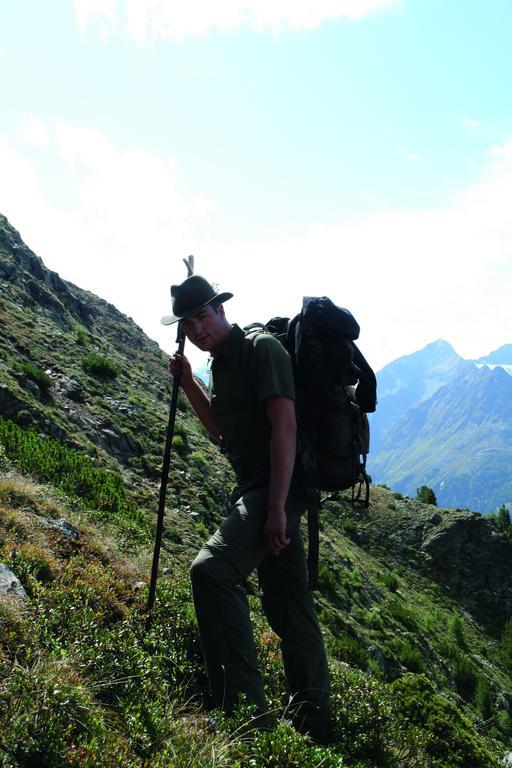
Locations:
(191, 296)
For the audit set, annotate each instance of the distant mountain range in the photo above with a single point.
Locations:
(446, 422)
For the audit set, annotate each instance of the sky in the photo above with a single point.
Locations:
(359, 149)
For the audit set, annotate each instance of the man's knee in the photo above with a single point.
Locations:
(208, 568)
(199, 570)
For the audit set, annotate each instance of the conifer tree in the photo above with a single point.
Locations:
(426, 495)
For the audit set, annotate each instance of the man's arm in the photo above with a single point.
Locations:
(195, 394)
(281, 414)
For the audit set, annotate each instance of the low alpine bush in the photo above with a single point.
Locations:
(100, 365)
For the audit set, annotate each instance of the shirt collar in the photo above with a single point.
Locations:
(231, 343)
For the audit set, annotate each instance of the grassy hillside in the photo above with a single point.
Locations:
(416, 682)
(421, 655)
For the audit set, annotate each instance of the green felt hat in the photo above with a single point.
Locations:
(191, 296)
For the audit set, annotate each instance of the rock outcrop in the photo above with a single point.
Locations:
(473, 560)
(460, 550)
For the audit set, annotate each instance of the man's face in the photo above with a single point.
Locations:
(208, 329)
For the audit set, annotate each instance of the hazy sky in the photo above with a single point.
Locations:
(360, 149)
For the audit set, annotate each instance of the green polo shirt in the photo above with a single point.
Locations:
(239, 385)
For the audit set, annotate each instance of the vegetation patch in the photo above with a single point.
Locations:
(36, 374)
(101, 366)
(72, 472)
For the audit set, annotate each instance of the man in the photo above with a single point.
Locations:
(251, 411)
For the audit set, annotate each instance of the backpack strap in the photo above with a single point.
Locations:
(313, 508)
(312, 494)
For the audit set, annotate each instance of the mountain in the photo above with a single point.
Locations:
(203, 373)
(410, 380)
(414, 600)
(445, 422)
(501, 356)
(458, 442)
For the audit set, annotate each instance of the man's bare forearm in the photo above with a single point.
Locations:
(281, 414)
(180, 366)
(282, 460)
(201, 405)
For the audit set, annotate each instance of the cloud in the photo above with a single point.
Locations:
(502, 151)
(409, 276)
(161, 19)
(33, 131)
(102, 12)
(475, 127)
(127, 217)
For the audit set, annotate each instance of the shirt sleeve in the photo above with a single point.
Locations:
(272, 369)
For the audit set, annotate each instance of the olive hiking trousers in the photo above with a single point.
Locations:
(218, 575)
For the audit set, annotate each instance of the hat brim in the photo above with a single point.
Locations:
(219, 299)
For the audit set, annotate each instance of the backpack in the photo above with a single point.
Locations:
(335, 389)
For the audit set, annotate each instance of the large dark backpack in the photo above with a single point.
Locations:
(335, 389)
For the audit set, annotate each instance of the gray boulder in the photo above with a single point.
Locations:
(62, 527)
(10, 584)
(69, 388)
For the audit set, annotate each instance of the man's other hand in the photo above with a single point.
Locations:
(274, 532)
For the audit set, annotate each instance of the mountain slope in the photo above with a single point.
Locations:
(77, 370)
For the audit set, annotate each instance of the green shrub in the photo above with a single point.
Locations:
(465, 676)
(503, 522)
(32, 563)
(349, 527)
(14, 630)
(46, 715)
(327, 581)
(402, 613)
(346, 648)
(483, 697)
(183, 404)
(446, 736)
(199, 459)
(202, 530)
(361, 715)
(426, 495)
(72, 472)
(456, 630)
(139, 677)
(408, 656)
(352, 580)
(37, 375)
(504, 722)
(283, 747)
(505, 646)
(82, 337)
(4, 461)
(390, 579)
(374, 619)
(100, 366)
(179, 443)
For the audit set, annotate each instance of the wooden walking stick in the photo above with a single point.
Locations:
(180, 340)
